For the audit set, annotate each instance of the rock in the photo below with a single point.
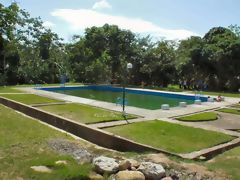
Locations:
(151, 170)
(61, 162)
(125, 164)
(95, 176)
(70, 148)
(106, 165)
(202, 158)
(129, 175)
(82, 156)
(134, 163)
(167, 178)
(43, 169)
(133, 168)
(112, 177)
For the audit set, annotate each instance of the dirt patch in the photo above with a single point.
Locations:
(71, 148)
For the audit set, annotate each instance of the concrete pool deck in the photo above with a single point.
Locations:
(144, 113)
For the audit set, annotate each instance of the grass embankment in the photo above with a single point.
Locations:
(206, 116)
(227, 162)
(229, 110)
(171, 137)
(29, 98)
(23, 143)
(85, 114)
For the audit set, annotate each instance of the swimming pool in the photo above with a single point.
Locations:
(138, 98)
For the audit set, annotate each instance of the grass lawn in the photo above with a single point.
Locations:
(8, 89)
(228, 162)
(23, 143)
(46, 85)
(170, 87)
(206, 116)
(171, 137)
(84, 114)
(29, 98)
(228, 110)
(237, 95)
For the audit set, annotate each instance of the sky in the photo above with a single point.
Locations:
(168, 19)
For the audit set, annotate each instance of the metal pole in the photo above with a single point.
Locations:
(4, 69)
(129, 66)
(124, 94)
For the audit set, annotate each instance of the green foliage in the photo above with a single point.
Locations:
(24, 45)
(159, 62)
(100, 54)
(211, 61)
(171, 137)
(207, 116)
(30, 53)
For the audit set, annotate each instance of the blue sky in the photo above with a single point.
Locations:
(171, 19)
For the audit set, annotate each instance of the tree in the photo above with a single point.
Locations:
(106, 45)
(160, 64)
(221, 42)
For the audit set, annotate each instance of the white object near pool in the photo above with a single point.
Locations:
(210, 100)
(198, 101)
(182, 104)
(165, 107)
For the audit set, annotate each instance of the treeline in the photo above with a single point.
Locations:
(30, 53)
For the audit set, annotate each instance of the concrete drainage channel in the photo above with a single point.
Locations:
(109, 140)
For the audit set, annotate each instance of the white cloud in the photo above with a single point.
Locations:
(103, 4)
(48, 24)
(83, 18)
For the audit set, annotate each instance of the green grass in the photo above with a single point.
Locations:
(29, 98)
(8, 89)
(228, 162)
(228, 110)
(210, 93)
(171, 137)
(11, 89)
(47, 85)
(23, 143)
(170, 87)
(84, 113)
(206, 116)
